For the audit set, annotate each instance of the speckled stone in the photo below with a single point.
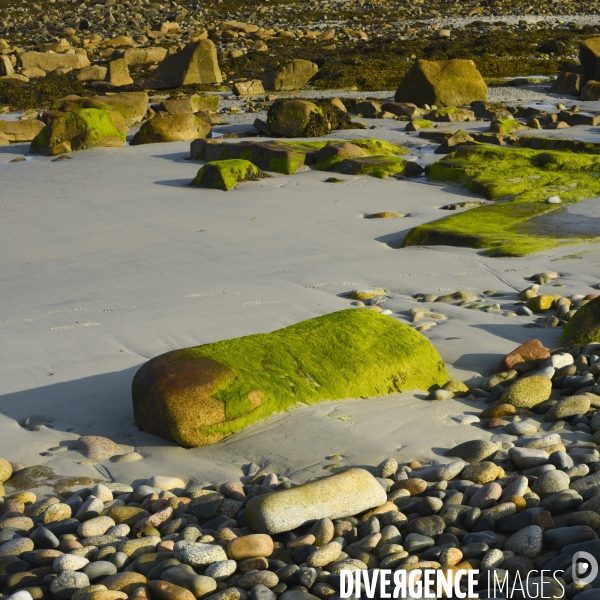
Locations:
(474, 451)
(550, 482)
(67, 583)
(195, 554)
(526, 542)
(482, 472)
(568, 407)
(96, 526)
(69, 562)
(325, 555)
(486, 496)
(249, 546)
(221, 570)
(347, 493)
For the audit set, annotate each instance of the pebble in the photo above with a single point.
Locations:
(69, 562)
(474, 451)
(197, 554)
(96, 447)
(250, 546)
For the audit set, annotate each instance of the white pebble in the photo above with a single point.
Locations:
(553, 200)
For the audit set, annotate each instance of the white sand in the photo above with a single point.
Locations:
(108, 259)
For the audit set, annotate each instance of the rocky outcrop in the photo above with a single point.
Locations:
(51, 61)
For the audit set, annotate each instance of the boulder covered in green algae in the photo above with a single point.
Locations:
(453, 82)
(79, 129)
(583, 327)
(198, 396)
(523, 176)
(589, 53)
(505, 126)
(302, 118)
(132, 106)
(378, 166)
(226, 174)
(527, 392)
(171, 128)
(335, 152)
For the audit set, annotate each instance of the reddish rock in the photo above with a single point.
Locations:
(493, 423)
(486, 496)
(251, 546)
(525, 358)
(67, 546)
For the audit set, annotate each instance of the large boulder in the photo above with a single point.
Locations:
(591, 91)
(51, 61)
(567, 83)
(132, 106)
(195, 63)
(589, 52)
(297, 118)
(118, 73)
(198, 396)
(290, 76)
(171, 128)
(347, 493)
(226, 174)
(20, 131)
(584, 327)
(444, 83)
(80, 129)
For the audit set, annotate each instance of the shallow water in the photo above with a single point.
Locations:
(576, 220)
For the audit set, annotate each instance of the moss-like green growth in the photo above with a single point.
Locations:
(505, 126)
(422, 123)
(226, 174)
(79, 129)
(524, 178)
(584, 327)
(42, 476)
(378, 166)
(200, 395)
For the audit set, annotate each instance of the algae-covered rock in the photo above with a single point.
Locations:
(5, 470)
(521, 175)
(132, 106)
(226, 174)
(347, 493)
(568, 407)
(584, 327)
(191, 104)
(171, 128)
(195, 63)
(541, 303)
(290, 76)
(331, 154)
(378, 166)
(80, 129)
(24, 130)
(197, 396)
(297, 118)
(444, 83)
(505, 126)
(528, 392)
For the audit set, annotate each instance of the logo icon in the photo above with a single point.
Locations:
(585, 568)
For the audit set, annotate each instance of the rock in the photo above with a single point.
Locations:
(443, 83)
(16, 547)
(92, 73)
(445, 472)
(162, 590)
(171, 128)
(380, 167)
(568, 407)
(584, 327)
(297, 118)
(176, 387)
(221, 570)
(528, 458)
(143, 56)
(481, 473)
(67, 583)
(290, 76)
(69, 562)
(253, 87)
(195, 63)
(6, 67)
(226, 174)
(96, 447)
(118, 73)
(589, 52)
(24, 130)
(527, 542)
(567, 83)
(165, 483)
(486, 496)
(541, 304)
(528, 392)
(77, 130)
(557, 539)
(325, 555)
(6, 470)
(186, 577)
(125, 582)
(550, 482)
(349, 492)
(196, 554)
(474, 451)
(191, 104)
(526, 357)
(52, 61)
(591, 91)
(250, 546)
(132, 106)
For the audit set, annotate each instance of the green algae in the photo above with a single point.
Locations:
(355, 353)
(226, 174)
(523, 178)
(505, 126)
(584, 327)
